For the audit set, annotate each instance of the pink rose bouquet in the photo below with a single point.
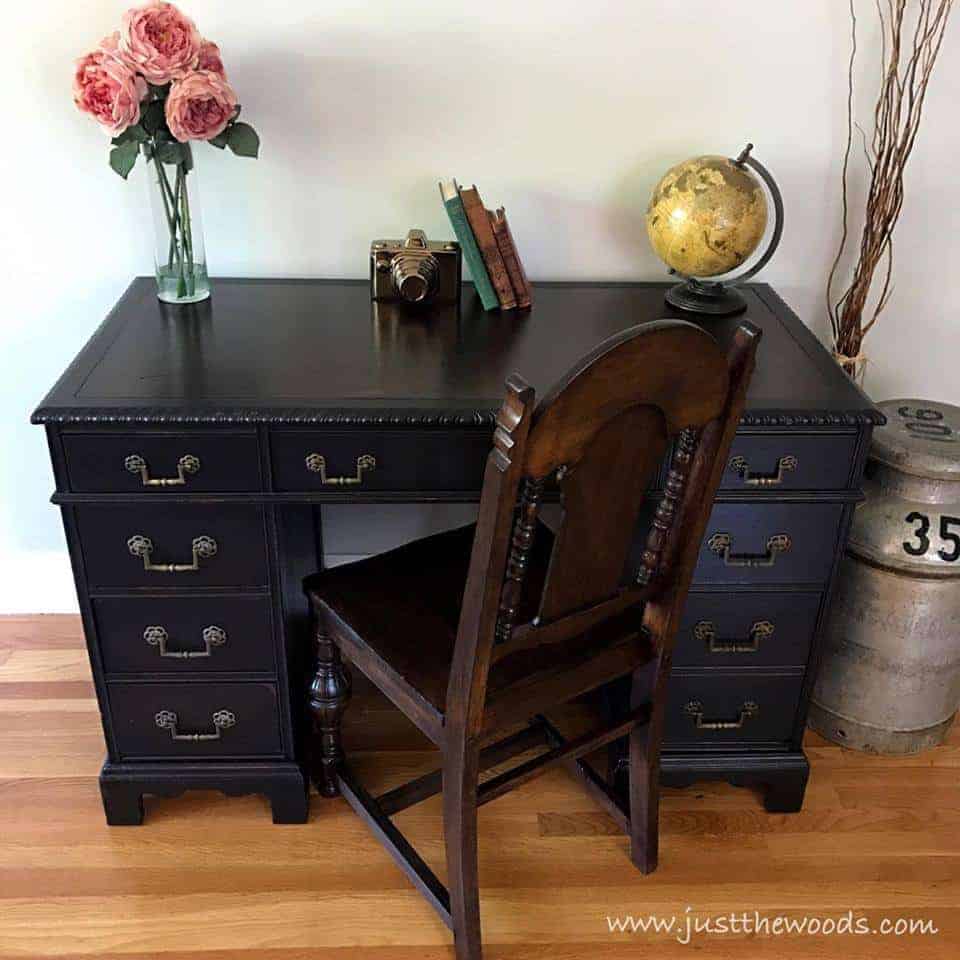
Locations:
(156, 85)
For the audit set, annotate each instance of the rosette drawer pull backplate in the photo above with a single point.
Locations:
(187, 465)
(315, 463)
(202, 548)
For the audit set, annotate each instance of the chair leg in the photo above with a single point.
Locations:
(645, 771)
(329, 694)
(460, 776)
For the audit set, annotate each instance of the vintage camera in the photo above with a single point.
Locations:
(415, 270)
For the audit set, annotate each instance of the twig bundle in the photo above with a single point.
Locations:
(910, 44)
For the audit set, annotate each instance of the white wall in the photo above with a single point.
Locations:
(565, 111)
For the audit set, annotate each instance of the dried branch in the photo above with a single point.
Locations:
(909, 49)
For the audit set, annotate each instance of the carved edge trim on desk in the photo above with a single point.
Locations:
(397, 417)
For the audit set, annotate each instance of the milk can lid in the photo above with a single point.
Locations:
(921, 437)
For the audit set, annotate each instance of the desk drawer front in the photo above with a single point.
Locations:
(721, 709)
(142, 462)
(788, 462)
(746, 630)
(185, 636)
(769, 543)
(173, 545)
(358, 461)
(195, 720)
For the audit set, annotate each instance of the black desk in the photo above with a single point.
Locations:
(279, 396)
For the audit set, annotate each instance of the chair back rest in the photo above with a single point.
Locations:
(599, 434)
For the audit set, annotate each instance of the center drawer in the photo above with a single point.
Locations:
(423, 461)
(184, 636)
(173, 545)
(190, 720)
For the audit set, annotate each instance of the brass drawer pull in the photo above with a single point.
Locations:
(213, 636)
(706, 632)
(222, 720)
(740, 466)
(721, 543)
(187, 464)
(316, 464)
(694, 709)
(203, 549)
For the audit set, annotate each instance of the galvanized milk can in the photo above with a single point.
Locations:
(889, 681)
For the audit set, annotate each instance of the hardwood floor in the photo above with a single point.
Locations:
(211, 877)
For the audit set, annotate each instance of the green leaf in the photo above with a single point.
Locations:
(170, 152)
(160, 91)
(220, 140)
(135, 132)
(243, 140)
(123, 157)
(153, 117)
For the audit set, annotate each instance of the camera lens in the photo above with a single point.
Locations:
(415, 276)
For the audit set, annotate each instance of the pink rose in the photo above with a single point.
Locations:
(106, 88)
(159, 41)
(209, 58)
(200, 106)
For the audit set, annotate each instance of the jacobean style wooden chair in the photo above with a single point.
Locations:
(478, 629)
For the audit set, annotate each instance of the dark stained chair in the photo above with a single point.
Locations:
(483, 628)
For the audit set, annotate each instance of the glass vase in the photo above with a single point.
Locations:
(181, 264)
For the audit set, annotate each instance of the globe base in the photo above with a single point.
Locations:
(699, 296)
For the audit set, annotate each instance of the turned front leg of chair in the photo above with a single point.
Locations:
(329, 693)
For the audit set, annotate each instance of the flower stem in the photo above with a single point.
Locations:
(186, 229)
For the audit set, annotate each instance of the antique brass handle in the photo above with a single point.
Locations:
(694, 709)
(706, 632)
(721, 544)
(316, 464)
(141, 546)
(213, 636)
(187, 464)
(739, 465)
(222, 720)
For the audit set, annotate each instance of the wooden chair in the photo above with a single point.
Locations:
(542, 618)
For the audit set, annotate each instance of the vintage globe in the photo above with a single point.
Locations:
(706, 216)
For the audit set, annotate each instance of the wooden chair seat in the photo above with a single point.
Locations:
(409, 633)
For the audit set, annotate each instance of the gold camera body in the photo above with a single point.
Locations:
(415, 270)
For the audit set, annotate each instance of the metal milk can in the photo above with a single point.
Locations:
(889, 681)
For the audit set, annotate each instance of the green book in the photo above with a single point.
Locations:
(468, 244)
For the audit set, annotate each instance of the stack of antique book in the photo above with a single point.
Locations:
(488, 248)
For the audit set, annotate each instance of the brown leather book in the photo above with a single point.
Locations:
(511, 258)
(483, 232)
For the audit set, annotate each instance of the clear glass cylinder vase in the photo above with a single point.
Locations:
(181, 263)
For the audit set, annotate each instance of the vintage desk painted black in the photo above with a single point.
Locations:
(194, 448)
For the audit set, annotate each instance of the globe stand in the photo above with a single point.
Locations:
(702, 296)
(719, 298)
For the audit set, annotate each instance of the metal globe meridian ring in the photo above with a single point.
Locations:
(706, 218)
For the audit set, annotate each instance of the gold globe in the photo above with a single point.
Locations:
(707, 215)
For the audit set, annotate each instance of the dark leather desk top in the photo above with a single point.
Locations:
(291, 351)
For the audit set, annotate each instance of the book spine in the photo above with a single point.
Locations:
(501, 216)
(510, 258)
(471, 253)
(480, 224)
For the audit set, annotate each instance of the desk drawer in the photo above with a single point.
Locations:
(789, 462)
(722, 709)
(185, 636)
(754, 543)
(331, 461)
(746, 630)
(143, 462)
(191, 720)
(185, 545)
